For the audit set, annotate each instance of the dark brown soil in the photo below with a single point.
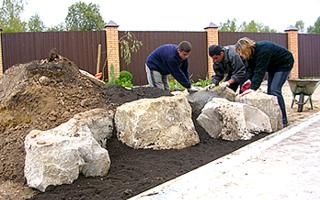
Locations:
(29, 102)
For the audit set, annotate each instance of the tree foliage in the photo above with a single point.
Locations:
(252, 26)
(84, 17)
(56, 28)
(10, 20)
(35, 24)
(315, 28)
(300, 26)
(229, 26)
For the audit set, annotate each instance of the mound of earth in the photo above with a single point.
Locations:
(43, 94)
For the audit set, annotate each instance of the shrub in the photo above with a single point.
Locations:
(125, 79)
(202, 83)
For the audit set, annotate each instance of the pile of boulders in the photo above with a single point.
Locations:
(57, 156)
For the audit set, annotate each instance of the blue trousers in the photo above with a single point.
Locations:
(276, 81)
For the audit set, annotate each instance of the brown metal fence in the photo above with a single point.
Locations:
(153, 39)
(80, 47)
(309, 55)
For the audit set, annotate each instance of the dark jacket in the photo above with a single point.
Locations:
(231, 66)
(267, 57)
(166, 60)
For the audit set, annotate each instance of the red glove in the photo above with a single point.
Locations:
(246, 92)
(246, 85)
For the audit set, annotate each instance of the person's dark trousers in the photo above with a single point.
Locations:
(275, 82)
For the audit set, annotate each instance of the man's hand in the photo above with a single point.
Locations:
(224, 85)
(246, 92)
(246, 85)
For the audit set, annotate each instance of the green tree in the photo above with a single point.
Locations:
(300, 26)
(56, 28)
(315, 28)
(84, 17)
(35, 24)
(229, 26)
(10, 20)
(253, 26)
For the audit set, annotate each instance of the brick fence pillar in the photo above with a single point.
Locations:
(212, 38)
(292, 34)
(113, 57)
(1, 62)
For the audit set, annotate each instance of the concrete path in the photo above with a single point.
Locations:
(284, 165)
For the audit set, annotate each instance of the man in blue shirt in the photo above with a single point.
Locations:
(169, 59)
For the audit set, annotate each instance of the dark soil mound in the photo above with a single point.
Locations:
(119, 95)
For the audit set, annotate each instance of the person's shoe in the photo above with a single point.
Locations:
(285, 125)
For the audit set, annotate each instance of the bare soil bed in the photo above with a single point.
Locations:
(29, 101)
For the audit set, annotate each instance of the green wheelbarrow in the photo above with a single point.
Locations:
(302, 87)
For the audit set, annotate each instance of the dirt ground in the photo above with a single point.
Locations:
(42, 95)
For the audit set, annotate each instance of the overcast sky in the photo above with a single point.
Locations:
(183, 15)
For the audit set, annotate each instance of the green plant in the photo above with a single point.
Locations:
(129, 44)
(112, 79)
(174, 84)
(202, 83)
(125, 79)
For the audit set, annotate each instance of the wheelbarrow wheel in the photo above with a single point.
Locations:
(300, 103)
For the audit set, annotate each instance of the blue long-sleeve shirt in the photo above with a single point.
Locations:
(166, 60)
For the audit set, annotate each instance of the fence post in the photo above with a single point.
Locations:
(292, 34)
(1, 62)
(112, 40)
(212, 38)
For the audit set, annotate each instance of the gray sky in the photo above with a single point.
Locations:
(183, 15)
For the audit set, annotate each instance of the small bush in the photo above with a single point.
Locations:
(202, 83)
(125, 79)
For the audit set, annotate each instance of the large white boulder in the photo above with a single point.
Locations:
(266, 103)
(160, 123)
(232, 120)
(57, 156)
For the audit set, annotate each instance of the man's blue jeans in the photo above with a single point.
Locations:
(275, 82)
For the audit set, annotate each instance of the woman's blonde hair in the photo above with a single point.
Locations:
(245, 47)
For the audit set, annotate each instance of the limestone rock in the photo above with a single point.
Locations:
(57, 156)
(199, 99)
(161, 123)
(232, 120)
(266, 103)
(100, 123)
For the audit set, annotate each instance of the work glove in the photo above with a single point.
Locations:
(246, 85)
(224, 85)
(246, 92)
(192, 90)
